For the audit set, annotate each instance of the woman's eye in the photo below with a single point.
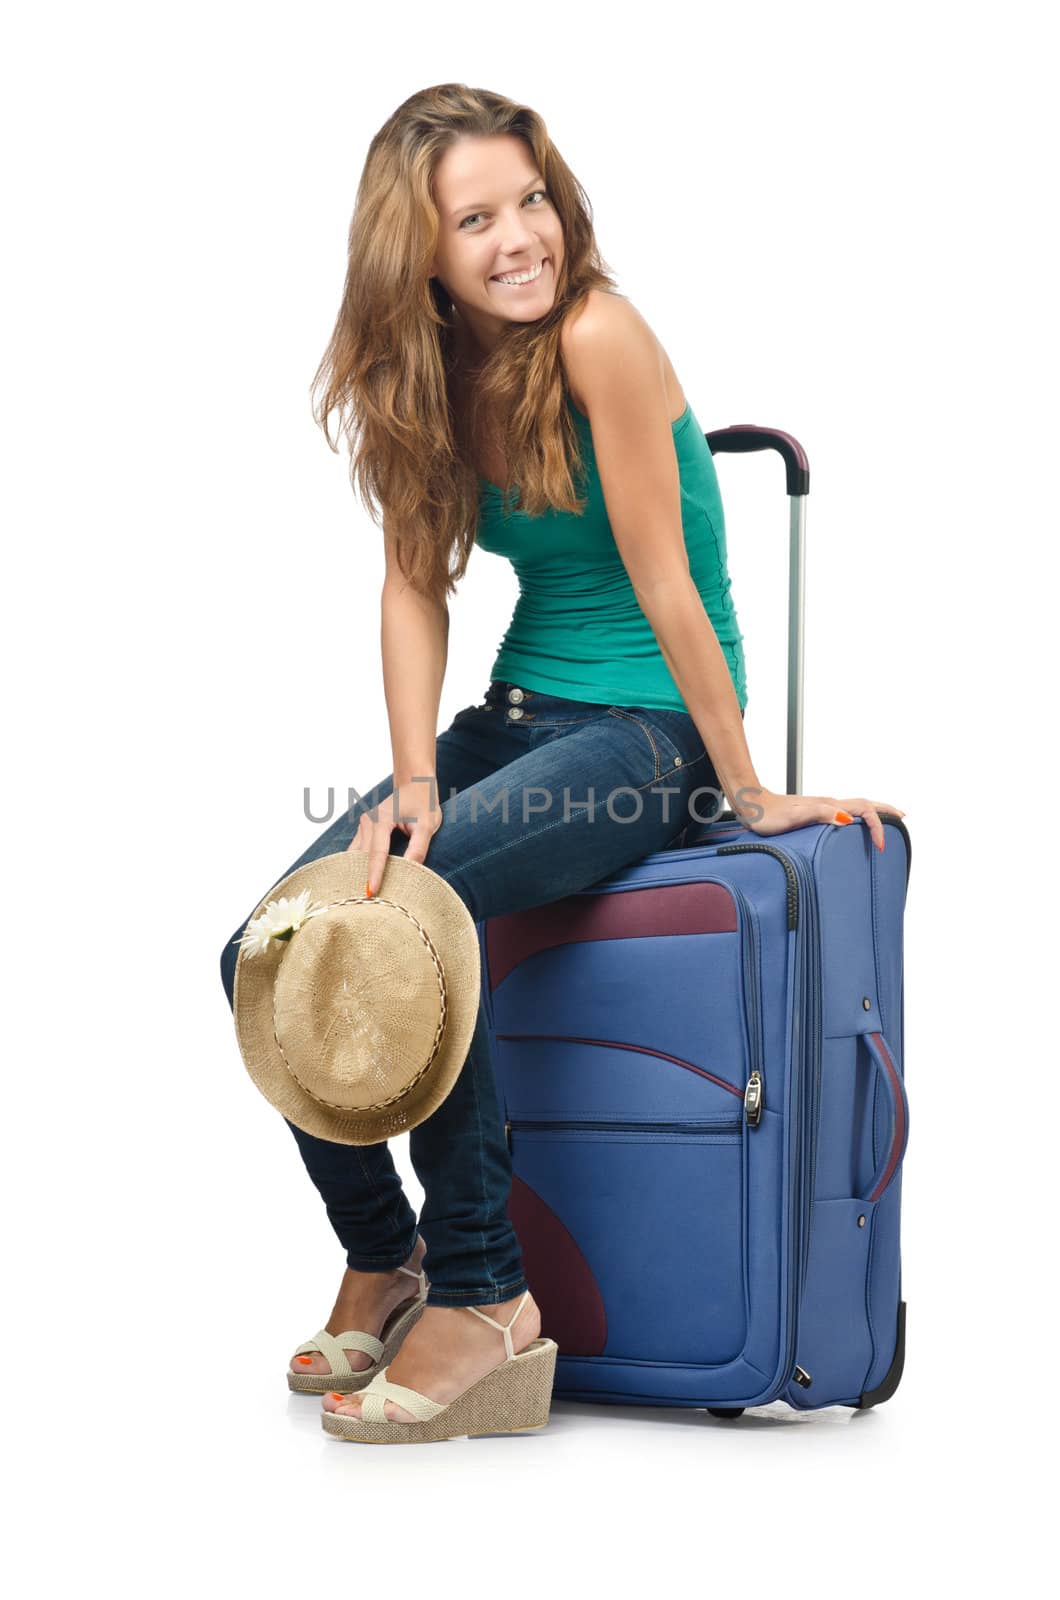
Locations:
(476, 214)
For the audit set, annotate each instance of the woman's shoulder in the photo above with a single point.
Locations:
(599, 320)
(600, 314)
(600, 324)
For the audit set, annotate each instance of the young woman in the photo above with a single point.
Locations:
(488, 371)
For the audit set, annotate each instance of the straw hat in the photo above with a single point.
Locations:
(354, 1015)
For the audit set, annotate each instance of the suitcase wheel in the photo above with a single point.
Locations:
(726, 1411)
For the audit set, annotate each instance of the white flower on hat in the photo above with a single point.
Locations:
(279, 920)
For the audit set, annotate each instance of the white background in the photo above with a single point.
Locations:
(835, 219)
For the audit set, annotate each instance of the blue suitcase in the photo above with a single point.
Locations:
(700, 1062)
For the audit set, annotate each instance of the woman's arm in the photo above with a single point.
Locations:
(414, 635)
(612, 357)
(690, 648)
(415, 641)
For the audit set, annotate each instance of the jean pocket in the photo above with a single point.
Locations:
(671, 747)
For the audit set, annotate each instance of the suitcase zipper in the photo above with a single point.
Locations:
(730, 1125)
(753, 1099)
(789, 873)
(754, 1092)
(806, 1064)
(621, 1044)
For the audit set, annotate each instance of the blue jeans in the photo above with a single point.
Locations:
(540, 797)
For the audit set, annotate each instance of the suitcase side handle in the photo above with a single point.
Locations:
(880, 1056)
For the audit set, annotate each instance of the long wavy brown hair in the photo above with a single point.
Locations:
(391, 367)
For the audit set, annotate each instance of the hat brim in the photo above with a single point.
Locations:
(452, 929)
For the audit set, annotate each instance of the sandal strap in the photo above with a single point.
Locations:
(380, 1390)
(331, 1346)
(505, 1328)
(354, 1339)
(421, 1279)
(328, 1346)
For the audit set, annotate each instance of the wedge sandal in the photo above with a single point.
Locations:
(514, 1398)
(344, 1379)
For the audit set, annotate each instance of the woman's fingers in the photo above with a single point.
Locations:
(378, 855)
(362, 838)
(374, 836)
(423, 832)
(870, 810)
(373, 839)
(845, 809)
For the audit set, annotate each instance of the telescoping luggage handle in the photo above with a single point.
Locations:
(743, 437)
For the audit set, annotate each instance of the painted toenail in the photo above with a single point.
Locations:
(335, 1396)
(307, 1361)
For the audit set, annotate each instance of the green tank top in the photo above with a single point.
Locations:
(577, 630)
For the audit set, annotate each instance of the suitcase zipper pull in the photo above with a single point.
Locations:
(753, 1099)
(508, 1134)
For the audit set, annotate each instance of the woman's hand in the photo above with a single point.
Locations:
(765, 812)
(413, 807)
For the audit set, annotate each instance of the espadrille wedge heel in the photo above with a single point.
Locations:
(514, 1398)
(343, 1379)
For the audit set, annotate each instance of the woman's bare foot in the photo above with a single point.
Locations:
(365, 1301)
(447, 1351)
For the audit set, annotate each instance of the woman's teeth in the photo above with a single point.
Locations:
(515, 279)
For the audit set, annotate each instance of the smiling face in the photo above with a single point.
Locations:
(495, 220)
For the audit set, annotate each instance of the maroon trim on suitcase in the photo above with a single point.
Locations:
(638, 913)
(560, 1278)
(641, 1049)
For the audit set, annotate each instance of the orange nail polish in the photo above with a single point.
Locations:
(306, 1361)
(879, 844)
(843, 816)
(334, 1396)
(368, 891)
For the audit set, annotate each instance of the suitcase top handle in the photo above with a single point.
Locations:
(747, 436)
